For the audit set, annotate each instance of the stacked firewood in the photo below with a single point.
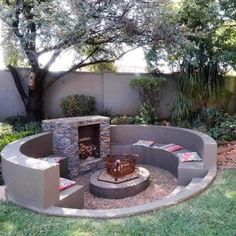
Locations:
(87, 150)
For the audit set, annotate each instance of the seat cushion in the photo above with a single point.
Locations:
(66, 183)
(143, 143)
(172, 147)
(188, 156)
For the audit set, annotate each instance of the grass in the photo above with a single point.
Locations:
(211, 213)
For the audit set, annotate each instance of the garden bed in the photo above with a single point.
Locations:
(227, 155)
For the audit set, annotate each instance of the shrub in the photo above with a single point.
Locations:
(149, 93)
(180, 108)
(26, 130)
(78, 105)
(16, 121)
(225, 131)
(5, 129)
(212, 116)
(122, 120)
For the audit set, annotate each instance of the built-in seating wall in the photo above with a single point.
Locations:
(30, 182)
(37, 147)
(190, 139)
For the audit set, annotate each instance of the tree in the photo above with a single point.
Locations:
(208, 51)
(38, 27)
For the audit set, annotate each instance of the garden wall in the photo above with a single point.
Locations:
(111, 90)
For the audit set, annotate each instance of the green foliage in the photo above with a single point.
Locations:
(16, 121)
(212, 116)
(122, 120)
(216, 123)
(225, 130)
(148, 85)
(78, 105)
(180, 108)
(103, 67)
(205, 51)
(5, 129)
(10, 133)
(149, 92)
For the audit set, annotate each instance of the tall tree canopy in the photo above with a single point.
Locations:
(209, 48)
(33, 28)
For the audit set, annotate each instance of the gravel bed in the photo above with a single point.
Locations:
(162, 183)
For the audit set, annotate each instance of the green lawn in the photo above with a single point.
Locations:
(211, 213)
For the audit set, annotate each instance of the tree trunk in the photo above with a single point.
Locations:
(33, 101)
(34, 110)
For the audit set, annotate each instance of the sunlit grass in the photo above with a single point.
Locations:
(211, 213)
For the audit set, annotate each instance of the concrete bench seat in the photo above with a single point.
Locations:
(31, 182)
(123, 137)
(72, 197)
(183, 171)
(61, 160)
(34, 183)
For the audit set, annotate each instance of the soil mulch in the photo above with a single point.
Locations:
(162, 183)
(226, 155)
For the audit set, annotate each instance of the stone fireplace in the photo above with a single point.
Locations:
(84, 140)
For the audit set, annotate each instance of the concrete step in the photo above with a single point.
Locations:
(72, 197)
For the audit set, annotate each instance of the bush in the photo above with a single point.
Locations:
(212, 117)
(225, 131)
(78, 105)
(180, 109)
(16, 121)
(5, 129)
(149, 93)
(26, 130)
(122, 120)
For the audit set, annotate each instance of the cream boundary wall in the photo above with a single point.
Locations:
(111, 90)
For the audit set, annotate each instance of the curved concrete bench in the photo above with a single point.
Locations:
(123, 136)
(34, 183)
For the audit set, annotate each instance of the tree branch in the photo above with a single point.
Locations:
(52, 59)
(82, 64)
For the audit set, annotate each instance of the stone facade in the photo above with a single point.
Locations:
(66, 139)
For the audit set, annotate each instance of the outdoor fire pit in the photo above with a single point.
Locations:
(121, 178)
(120, 166)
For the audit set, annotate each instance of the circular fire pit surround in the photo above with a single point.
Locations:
(171, 181)
(162, 183)
(104, 189)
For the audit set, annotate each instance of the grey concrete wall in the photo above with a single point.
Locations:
(10, 100)
(111, 90)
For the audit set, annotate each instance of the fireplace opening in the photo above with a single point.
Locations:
(89, 145)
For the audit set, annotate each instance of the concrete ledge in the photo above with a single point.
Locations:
(193, 189)
(72, 197)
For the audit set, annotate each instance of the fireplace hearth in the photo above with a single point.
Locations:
(89, 141)
(84, 140)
